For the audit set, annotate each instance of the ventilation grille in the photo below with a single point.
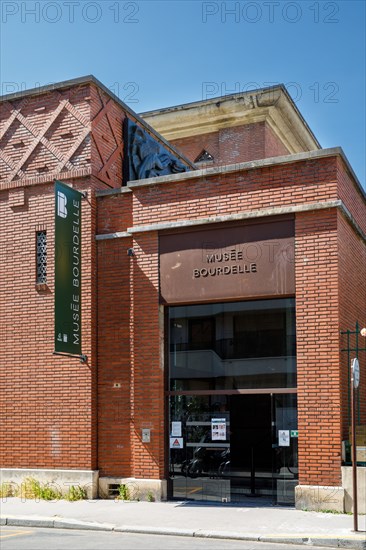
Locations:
(41, 257)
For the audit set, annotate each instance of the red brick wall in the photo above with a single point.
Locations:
(284, 185)
(352, 305)
(147, 391)
(48, 407)
(114, 213)
(107, 140)
(317, 329)
(273, 145)
(233, 145)
(193, 146)
(352, 287)
(48, 403)
(114, 366)
(351, 195)
(129, 354)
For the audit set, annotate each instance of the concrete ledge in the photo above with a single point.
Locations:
(338, 543)
(288, 540)
(29, 521)
(202, 533)
(138, 489)
(175, 532)
(319, 498)
(348, 491)
(61, 480)
(330, 542)
(85, 525)
(116, 235)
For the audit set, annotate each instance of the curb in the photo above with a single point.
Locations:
(68, 523)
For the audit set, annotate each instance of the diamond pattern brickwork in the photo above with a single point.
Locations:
(41, 134)
(61, 134)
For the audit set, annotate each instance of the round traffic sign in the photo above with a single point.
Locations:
(356, 372)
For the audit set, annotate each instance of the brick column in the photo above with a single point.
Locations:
(147, 375)
(318, 362)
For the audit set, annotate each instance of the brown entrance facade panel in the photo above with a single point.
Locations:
(225, 263)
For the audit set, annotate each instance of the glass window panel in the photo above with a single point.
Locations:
(235, 345)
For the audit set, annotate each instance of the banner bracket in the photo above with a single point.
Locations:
(83, 358)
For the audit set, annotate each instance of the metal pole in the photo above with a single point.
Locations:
(354, 459)
(349, 377)
(357, 397)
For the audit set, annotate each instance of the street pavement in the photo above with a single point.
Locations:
(220, 521)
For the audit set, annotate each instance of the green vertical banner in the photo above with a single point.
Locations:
(67, 269)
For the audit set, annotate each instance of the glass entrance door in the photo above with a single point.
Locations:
(251, 447)
(285, 447)
(199, 466)
(232, 448)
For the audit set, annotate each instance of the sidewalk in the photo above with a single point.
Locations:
(267, 524)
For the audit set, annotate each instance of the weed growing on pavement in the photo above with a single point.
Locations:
(123, 492)
(76, 493)
(31, 488)
(7, 490)
(150, 497)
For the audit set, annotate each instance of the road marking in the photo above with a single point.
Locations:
(16, 534)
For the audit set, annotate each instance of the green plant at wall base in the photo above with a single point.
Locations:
(7, 490)
(31, 488)
(76, 493)
(150, 497)
(123, 492)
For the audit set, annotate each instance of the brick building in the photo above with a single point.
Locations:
(223, 251)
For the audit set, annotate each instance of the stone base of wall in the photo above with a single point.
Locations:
(348, 490)
(319, 498)
(135, 489)
(61, 480)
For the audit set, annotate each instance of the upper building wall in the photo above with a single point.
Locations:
(233, 144)
(239, 128)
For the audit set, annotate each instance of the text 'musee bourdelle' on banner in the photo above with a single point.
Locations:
(67, 269)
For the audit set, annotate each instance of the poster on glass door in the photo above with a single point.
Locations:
(218, 429)
(283, 438)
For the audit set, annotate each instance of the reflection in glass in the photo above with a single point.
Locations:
(234, 345)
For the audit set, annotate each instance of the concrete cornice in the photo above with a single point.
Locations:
(273, 105)
(242, 216)
(213, 171)
(262, 213)
(242, 166)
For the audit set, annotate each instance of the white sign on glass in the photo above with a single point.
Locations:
(283, 438)
(176, 429)
(218, 429)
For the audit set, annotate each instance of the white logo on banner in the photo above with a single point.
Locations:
(61, 205)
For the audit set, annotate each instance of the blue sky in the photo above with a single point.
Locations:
(159, 53)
